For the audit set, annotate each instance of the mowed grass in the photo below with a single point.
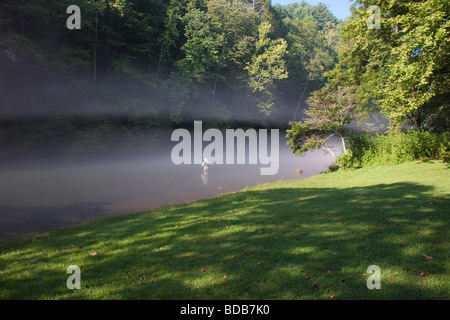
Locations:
(300, 239)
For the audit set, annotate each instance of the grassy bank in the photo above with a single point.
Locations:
(301, 239)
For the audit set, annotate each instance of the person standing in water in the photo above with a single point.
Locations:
(205, 173)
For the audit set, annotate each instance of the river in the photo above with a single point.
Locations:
(38, 196)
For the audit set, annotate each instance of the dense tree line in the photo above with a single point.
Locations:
(400, 69)
(217, 59)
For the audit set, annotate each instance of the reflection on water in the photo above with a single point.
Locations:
(38, 197)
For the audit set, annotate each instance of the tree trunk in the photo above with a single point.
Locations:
(215, 84)
(332, 153)
(328, 149)
(418, 119)
(160, 56)
(343, 144)
(23, 23)
(300, 100)
(94, 80)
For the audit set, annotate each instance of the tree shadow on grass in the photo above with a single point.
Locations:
(280, 243)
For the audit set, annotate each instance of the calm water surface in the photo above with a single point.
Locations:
(38, 196)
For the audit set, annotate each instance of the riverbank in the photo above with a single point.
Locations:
(299, 239)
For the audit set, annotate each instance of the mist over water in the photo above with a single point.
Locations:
(47, 193)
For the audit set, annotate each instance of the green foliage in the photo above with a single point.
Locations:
(434, 116)
(394, 148)
(331, 110)
(303, 136)
(170, 35)
(234, 55)
(309, 52)
(202, 48)
(318, 14)
(401, 66)
(268, 65)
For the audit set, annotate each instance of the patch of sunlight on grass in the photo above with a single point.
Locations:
(207, 279)
(308, 198)
(157, 236)
(302, 250)
(329, 234)
(186, 255)
(293, 271)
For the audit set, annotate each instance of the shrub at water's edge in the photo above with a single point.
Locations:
(394, 148)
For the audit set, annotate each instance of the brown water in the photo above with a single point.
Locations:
(38, 196)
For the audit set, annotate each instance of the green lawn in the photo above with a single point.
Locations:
(300, 239)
